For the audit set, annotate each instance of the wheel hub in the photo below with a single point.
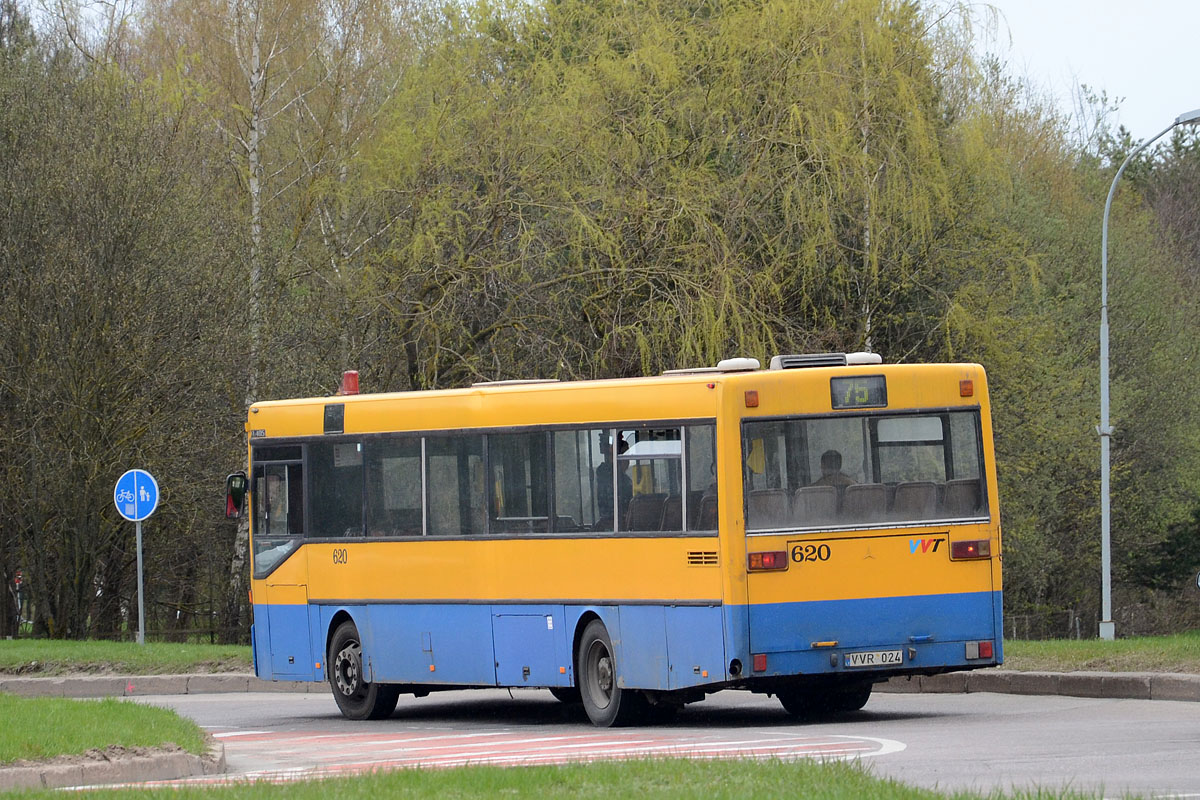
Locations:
(604, 674)
(347, 669)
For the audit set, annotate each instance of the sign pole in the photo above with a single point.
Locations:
(141, 634)
(136, 497)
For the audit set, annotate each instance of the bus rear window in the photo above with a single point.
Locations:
(865, 470)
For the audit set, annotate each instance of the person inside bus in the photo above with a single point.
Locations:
(604, 484)
(831, 471)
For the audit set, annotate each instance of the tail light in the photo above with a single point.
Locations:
(767, 561)
(982, 649)
(971, 548)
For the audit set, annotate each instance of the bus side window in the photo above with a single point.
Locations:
(456, 485)
(336, 478)
(394, 487)
(581, 490)
(701, 496)
(518, 483)
(651, 457)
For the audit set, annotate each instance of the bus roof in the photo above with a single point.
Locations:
(677, 395)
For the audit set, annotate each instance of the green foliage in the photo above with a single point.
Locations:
(111, 329)
(442, 194)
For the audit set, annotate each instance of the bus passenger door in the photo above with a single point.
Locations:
(288, 632)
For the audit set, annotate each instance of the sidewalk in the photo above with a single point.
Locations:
(173, 765)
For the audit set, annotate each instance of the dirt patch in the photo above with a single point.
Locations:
(211, 759)
(114, 752)
(58, 669)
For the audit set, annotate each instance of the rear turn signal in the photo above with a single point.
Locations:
(971, 548)
(767, 561)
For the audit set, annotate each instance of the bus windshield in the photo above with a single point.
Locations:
(823, 472)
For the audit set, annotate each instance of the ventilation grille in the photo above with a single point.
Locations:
(809, 360)
(702, 558)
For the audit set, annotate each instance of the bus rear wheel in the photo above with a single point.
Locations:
(607, 705)
(356, 698)
(816, 701)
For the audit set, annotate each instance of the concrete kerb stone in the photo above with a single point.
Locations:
(1168, 686)
(1114, 685)
(138, 685)
(164, 766)
(210, 684)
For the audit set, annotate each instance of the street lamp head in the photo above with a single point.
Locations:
(1188, 118)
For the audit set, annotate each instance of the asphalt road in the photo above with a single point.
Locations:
(978, 741)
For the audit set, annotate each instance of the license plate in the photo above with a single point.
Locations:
(875, 658)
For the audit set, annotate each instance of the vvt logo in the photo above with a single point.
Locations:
(923, 545)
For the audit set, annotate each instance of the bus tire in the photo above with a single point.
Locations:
(851, 698)
(356, 698)
(566, 694)
(812, 701)
(802, 703)
(607, 705)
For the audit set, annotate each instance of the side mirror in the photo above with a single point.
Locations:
(235, 494)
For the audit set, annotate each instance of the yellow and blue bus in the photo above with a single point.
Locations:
(805, 530)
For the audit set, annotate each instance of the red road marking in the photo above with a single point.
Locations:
(356, 753)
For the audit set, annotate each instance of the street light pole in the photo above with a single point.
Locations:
(1108, 629)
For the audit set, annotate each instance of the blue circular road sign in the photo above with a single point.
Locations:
(136, 495)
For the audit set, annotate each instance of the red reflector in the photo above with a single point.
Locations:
(770, 560)
(752, 399)
(966, 388)
(760, 662)
(985, 649)
(972, 548)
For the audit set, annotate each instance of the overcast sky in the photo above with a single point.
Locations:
(1144, 51)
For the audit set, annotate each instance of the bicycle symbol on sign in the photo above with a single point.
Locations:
(125, 496)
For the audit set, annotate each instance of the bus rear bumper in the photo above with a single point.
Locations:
(877, 637)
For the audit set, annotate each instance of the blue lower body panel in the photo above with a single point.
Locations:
(814, 637)
(656, 646)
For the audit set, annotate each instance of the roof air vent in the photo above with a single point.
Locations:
(738, 364)
(809, 360)
(863, 358)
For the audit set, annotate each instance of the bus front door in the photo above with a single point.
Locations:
(288, 635)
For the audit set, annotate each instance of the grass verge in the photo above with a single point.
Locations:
(673, 779)
(1176, 653)
(49, 657)
(39, 728)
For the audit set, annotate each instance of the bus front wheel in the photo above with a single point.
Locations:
(606, 704)
(356, 698)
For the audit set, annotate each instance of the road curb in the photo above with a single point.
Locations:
(1110, 685)
(163, 766)
(135, 685)
(1113, 685)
